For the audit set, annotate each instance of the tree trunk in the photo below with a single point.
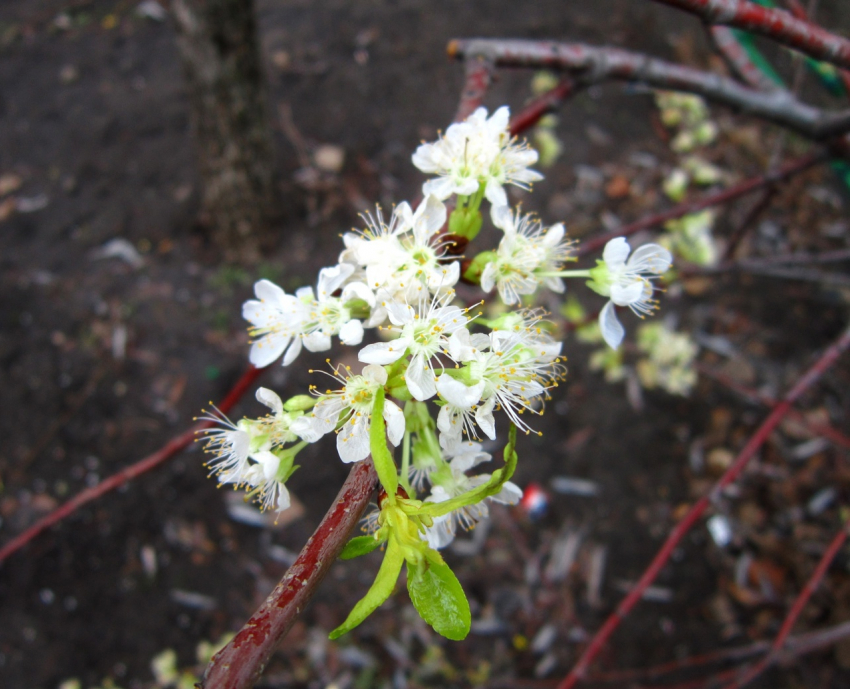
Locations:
(217, 40)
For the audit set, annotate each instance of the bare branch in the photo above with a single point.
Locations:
(777, 24)
(590, 65)
(239, 664)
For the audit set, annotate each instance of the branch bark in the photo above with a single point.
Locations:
(590, 65)
(777, 24)
(239, 664)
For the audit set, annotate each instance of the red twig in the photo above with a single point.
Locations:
(772, 421)
(594, 64)
(797, 645)
(777, 24)
(825, 430)
(738, 60)
(479, 74)
(796, 8)
(741, 230)
(800, 603)
(657, 219)
(117, 480)
(545, 103)
(239, 664)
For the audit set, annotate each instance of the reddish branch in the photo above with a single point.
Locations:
(695, 513)
(239, 664)
(117, 480)
(737, 59)
(788, 170)
(777, 24)
(825, 430)
(479, 73)
(590, 65)
(800, 603)
(543, 104)
(795, 646)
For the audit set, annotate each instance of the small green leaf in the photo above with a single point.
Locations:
(359, 545)
(493, 486)
(381, 455)
(381, 589)
(439, 599)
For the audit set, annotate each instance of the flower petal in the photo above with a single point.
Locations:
(420, 379)
(457, 394)
(383, 353)
(612, 331)
(394, 417)
(351, 333)
(616, 252)
(270, 399)
(352, 442)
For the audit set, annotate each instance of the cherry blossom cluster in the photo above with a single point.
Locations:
(437, 374)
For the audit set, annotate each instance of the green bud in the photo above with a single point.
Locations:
(473, 272)
(299, 403)
(465, 222)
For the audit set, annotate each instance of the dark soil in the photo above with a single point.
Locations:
(93, 117)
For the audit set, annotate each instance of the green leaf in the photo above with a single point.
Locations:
(439, 599)
(359, 545)
(381, 455)
(493, 486)
(381, 589)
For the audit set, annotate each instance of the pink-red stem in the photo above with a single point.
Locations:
(239, 664)
(800, 603)
(762, 433)
(117, 480)
(777, 24)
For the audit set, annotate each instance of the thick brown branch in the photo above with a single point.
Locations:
(239, 664)
(777, 24)
(590, 65)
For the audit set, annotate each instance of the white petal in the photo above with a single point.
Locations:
(283, 499)
(309, 428)
(351, 333)
(623, 295)
(495, 193)
(331, 279)
(352, 442)
(358, 290)
(317, 342)
(268, 291)
(400, 313)
(420, 379)
(503, 218)
(488, 277)
(612, 331)
(384, 353)
(510, 494)
(293, 351)
(616, 252)
(652, 258)
(484, 418)
(394, 417)
(457, 394)
(377, 374)
(267, 349)
(429, 218)
(270, 399)
(441, 187)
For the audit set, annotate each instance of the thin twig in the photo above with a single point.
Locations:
(777, 24)
(657, 219)
(171, 448)
(589, 65)
(543, 104)
(736, 58)
(239, 664)
(681, 529)
(752, 215)
(825, 430)
(797, 608)
(479, 74)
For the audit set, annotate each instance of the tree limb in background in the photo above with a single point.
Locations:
(591, 65)
(779, 25)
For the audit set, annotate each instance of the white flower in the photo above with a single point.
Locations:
(512, 369)
(270, 492)
(478, 151)
(351, 407)
(527, 256)
(283, 322)
(627, 283)
(402, 258)
(452, 481)
(276, 318)
(424, 332)
(230, 445)
(277, 425)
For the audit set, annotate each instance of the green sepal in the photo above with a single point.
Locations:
(476, 267)
(380, 590)
(439, 599)
(465, 222)
(381, 455)
(359, 545)
(493, 486)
